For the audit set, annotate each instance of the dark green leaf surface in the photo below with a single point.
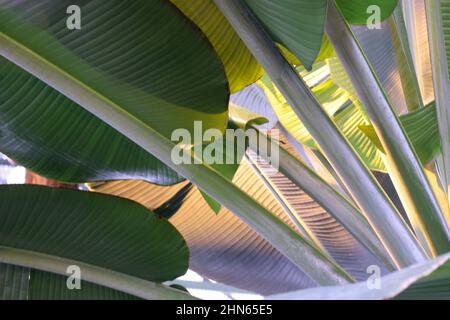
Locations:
(121, 54)
(355, 11)
(386, 56)
(241, 67)
(296, 24)
(337, 102)
(13, 282)
(99, 230)
(44, 131)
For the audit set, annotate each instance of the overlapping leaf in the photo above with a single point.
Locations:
(100, 230)
(445, 14)
(241, 67)
(129, 62)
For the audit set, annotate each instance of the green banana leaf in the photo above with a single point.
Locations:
(87, 229)
(356, 11)
(53, 136)
(241, 67)
(421, 126)
(297, 25)
(125, 60)
(427, 280)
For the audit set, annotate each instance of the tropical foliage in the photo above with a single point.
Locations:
(359, 91)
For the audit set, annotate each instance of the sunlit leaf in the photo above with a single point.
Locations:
(422, 130)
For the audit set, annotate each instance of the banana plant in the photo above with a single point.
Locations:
(95, 93)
